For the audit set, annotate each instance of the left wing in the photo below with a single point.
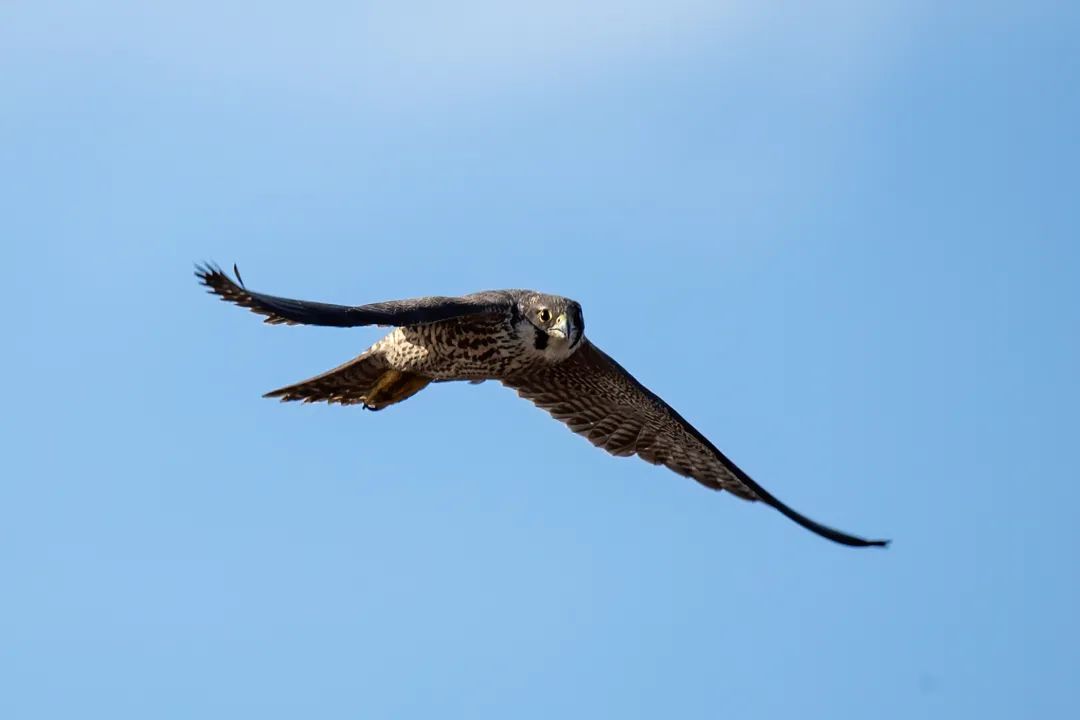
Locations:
(284, 311)
(597, 398)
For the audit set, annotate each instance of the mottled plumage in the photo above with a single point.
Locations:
(529, 341)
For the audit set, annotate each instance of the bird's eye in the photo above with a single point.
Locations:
(544, 315)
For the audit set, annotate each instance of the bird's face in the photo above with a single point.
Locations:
(551, 326)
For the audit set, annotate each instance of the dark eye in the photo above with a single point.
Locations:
(544, 315)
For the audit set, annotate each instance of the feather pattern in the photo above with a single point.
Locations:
(595, 397)
(531, 342)
(285, 311)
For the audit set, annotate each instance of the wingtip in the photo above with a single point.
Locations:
(203, 270)
(217, 281)
(859, 542)
(817, 528)
(206, 271)
(281, 395)
(853, 541)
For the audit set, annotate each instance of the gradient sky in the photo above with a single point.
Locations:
(842, 240)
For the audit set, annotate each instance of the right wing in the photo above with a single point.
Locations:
(279, 310)
(596, 397)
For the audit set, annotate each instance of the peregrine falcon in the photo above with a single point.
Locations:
(529, 341)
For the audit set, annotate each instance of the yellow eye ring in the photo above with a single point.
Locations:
(544, 315)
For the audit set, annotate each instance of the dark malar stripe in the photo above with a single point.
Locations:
(541, 339)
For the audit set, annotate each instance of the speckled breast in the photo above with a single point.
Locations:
(462, 348)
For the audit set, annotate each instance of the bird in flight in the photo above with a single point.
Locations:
(529, 341)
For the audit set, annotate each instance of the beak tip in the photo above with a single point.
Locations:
(561, 328)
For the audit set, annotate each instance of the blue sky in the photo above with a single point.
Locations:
(840, 240)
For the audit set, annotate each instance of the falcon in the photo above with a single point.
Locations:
(531, 342)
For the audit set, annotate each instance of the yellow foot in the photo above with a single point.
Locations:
(393, 386)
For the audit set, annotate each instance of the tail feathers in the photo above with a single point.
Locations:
(346, 384)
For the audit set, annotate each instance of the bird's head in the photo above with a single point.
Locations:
(551, 326)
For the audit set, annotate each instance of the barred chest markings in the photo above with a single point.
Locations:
(453, 349)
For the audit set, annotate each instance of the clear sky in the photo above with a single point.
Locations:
(841, 238)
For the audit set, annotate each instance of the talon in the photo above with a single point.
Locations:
(393, 386)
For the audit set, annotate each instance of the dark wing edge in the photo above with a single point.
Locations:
(596, 397)
(284, 311)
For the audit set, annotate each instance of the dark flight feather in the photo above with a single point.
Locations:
(597, 398)
(285, 311)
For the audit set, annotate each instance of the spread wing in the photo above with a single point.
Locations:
(279, 310)
(597, 398)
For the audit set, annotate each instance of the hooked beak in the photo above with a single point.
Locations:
(561, 327)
